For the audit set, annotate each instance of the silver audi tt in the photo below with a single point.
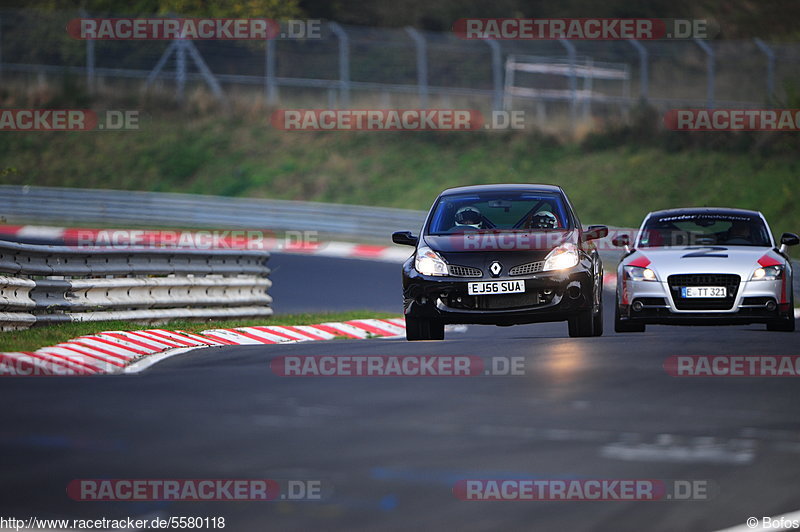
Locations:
(704, 266)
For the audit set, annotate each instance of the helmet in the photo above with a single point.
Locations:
(544, 220)
(469, 216)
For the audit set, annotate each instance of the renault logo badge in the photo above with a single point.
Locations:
(495, 268)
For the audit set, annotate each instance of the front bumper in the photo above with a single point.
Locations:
(657, 303)
(549, 296)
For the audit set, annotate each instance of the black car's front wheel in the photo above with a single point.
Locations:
(581, 324)
(423, 329)
(598, 321)
(589, 322)
(598, 316)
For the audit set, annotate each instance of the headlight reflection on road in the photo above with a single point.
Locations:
(562, 361)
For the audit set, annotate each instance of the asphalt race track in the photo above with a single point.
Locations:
(393, 448)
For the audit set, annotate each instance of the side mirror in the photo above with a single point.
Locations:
(594, 232)
(788, 239)
(405, 238)
(621, 241)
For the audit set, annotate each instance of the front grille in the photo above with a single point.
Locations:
(500, 301)
(527, 269)
(731, 282)
(464, 271)
(508, 301)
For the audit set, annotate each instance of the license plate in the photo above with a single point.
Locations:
(495, 287)
(704, 291)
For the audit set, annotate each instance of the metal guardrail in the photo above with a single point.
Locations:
(27, 204)
(126, 208)
(49, 284)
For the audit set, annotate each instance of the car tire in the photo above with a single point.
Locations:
(422, 329)
(598, 317)
(581, 324)
(437, 330)
(786, 323)
(626, 326)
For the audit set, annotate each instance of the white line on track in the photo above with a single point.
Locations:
(147, 361)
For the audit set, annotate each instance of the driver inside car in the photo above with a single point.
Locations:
(739, 233)
(469, 216)
(543, 220)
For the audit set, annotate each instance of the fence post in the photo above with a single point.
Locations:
(509, 83)
(573, 82)
(344, 63)
(270, 85)
(180, 71)
(1, 47)
(644, 75)
(770, 53)
(201, 65)
(90, 79)
(160, 64)
(710, 68)
(422, 65)
(497, 74)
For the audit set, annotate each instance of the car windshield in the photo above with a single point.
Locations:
(499, 212)
(704, 229)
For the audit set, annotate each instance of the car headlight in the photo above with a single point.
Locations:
(768, 273)
(637, 273)
(563, 257)
(428, 262)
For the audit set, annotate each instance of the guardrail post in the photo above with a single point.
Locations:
(573, 82)
(770, 53)
(711, 71)
(344, 63)
(422, 65)
(90, 77)
(497, 74)
(270, 84)
(644, 76)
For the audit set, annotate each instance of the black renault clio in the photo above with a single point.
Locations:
(502, 255)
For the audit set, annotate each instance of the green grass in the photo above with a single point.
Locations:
(613, 177)
(616, 183)
(36, 337)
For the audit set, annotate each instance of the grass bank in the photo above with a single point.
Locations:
(614, 177)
